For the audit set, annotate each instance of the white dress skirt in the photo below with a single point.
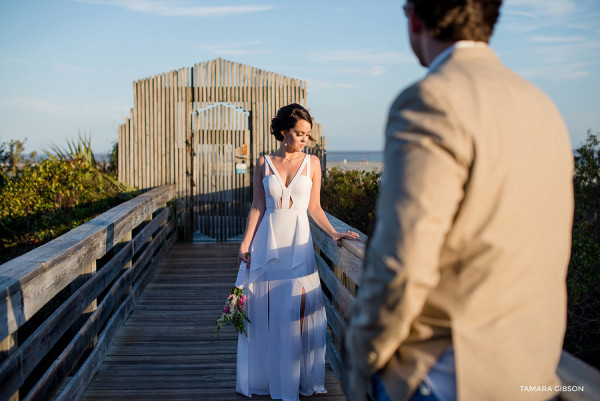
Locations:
(278, 358)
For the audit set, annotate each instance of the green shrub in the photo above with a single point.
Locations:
(583, 279)
(350, 195)
(47, 200)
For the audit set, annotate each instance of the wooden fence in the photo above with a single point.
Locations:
(224, 105)
(340, 270)
(63, 302)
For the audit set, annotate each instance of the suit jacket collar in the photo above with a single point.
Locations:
(463, 51)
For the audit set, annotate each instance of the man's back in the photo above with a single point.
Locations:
(502, 166)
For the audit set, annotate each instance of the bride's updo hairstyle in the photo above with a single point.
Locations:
(286, 119)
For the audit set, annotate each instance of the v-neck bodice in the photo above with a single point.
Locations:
(279, 196)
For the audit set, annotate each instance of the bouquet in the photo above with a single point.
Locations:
(234, 311)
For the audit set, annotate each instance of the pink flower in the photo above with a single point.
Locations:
(230, 296)
(226, 309)
(242, 300)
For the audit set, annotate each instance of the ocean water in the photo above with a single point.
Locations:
(355, 156)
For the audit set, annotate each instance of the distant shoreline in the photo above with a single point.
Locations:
(352, 165)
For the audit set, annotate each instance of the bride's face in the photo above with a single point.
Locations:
(297, 137)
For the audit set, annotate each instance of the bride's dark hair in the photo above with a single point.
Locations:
(286, 119)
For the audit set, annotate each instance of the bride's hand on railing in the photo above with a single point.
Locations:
(337, 237)
(244, 255)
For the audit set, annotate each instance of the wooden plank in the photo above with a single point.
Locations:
(350, 256)
(130, 146)
(335, 360)
(189, 172)
(121, 149)
(219, 173)
(172, 127)
(231, 172)
(154, 158)
(137, 137)
(144, 149)
(180, 147)
(574, 372)
(335, 321)
(161, 131)
(7, 347)
(340, 294)
(196, 169)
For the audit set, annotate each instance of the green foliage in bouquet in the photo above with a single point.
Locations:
(350, 195)
(583, 279)
(48, 199)
(234, 311)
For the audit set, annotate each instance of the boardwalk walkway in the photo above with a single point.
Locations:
(168, 349)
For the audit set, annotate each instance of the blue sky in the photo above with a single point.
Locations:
(67, 66)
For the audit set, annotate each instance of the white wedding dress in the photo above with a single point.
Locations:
(279, 358)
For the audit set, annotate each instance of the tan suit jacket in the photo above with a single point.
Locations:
(472, 238)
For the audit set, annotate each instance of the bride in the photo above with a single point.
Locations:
(284, 353)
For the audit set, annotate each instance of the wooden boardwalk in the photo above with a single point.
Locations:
(168, 348)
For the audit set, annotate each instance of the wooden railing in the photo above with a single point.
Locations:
(340, 270)
(63, 302)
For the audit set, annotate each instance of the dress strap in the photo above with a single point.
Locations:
(308, 166)
(266, 165)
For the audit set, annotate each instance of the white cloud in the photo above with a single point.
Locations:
(35, 106)
(557, 39)
(178, 8)
(315, 84)
(53, 110)
(67, 67)
(559, 72)
(363, 57)
(519, 13)
(233, 49)
(541, 7)
(377, 70)
(582, 27)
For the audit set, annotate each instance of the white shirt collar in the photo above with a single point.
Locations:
(461, 44)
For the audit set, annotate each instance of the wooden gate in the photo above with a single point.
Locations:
(192, 127)
(222, 196)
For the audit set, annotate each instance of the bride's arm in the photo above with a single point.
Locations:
(257, 210)
(314, 205)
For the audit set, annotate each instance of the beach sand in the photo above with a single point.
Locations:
(368, 166)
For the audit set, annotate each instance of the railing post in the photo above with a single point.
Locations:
(7, 347)
(75, 284)
(126, 238)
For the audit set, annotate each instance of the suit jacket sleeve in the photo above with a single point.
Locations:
(426, 162)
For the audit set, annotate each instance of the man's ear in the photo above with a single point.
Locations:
(416, 24)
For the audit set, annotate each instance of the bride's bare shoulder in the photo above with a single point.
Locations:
(315, 162)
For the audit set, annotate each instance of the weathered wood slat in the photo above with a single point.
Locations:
(335, 360)
(349, 258)
(339, 293)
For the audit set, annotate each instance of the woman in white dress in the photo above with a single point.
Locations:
(284, 353)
